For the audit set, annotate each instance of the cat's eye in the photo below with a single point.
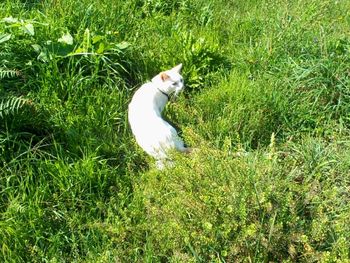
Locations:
(178, 82)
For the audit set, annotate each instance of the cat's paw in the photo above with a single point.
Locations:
(190, 150)
(163, 164)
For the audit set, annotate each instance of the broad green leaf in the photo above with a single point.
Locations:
(96, 39)
(37, 47)
(43, 56)
(5, 37)
(28, 29)
(59, 49)
(86, 41)
(79, 50)
(101, 48)
(123, 45)
(66, 39)
(10, 20)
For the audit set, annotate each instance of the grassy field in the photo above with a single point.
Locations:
(268, 79)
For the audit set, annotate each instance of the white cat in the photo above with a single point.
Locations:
(151, 131)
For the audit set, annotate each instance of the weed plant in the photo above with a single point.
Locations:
(266, 105)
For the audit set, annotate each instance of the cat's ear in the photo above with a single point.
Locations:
(164, 76)
(178, 68)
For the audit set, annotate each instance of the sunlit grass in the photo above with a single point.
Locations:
(266, 106)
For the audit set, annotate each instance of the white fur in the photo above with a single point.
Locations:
(152, 133)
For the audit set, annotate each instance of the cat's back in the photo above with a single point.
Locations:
(142, 108)
(143, 96)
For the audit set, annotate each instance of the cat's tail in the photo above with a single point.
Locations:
(161, 164)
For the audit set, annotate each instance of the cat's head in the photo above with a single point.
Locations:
(170, 81)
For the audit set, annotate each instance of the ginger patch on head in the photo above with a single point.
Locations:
(164, 76)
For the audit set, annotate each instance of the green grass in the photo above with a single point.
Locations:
(266, 104)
